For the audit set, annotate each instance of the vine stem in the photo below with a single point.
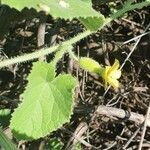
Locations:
(59, 54)
(73, 55)
(47, 51)
(43, 52)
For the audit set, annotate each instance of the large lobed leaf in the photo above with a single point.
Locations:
(47, 103)
(67, 9)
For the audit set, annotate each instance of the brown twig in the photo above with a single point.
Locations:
(41, 33)
(80, 130)
(147, 119)
(131, 138)
(120, 113)
(77, 136)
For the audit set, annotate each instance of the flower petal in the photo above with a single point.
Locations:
(115, 66)
(116, 74)
(105, 72)
(105, 76)
(110, 75)
(113, 82)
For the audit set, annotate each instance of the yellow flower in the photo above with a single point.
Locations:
(111, 74)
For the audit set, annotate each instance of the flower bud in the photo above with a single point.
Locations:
(90, 65)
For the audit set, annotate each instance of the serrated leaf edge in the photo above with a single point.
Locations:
(60, 125)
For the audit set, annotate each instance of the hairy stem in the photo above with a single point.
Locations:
(43, 52)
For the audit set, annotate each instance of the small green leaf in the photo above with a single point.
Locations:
(128, 6)
(47, 103)
(5, 115)
(93, 24)
(5, 142)
(54, 144)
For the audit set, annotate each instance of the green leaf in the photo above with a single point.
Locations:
(54, 144)
(67, 9)
(5, 115)
(128, 6)
(47, 103)
(93, 24)
(5, 142)
(77, 146)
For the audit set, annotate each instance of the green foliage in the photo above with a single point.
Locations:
(93, 24)
(77, 146)
(128, 6)
(5, 115)
(47, 103)
(19, 5)
(5, 142)
(54, 144)
(67, 9)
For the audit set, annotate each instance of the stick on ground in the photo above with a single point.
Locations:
(120, 113)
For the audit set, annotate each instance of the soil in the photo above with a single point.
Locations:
(97, 131)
